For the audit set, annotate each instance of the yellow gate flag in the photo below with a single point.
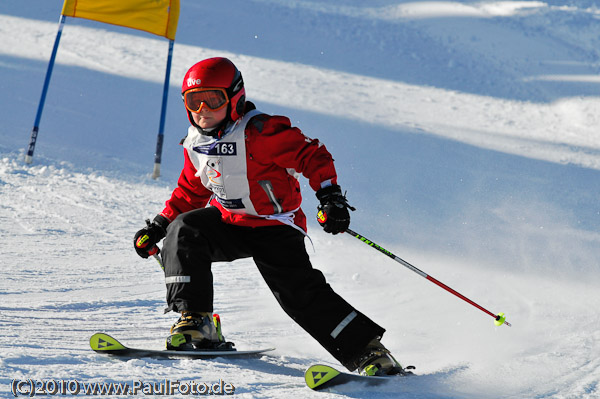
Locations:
(159, 17)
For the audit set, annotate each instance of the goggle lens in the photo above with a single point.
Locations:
(214, 99)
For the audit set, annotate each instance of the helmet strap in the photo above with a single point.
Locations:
(216, 132)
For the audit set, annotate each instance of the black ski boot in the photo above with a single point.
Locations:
(377, 360)
(197, 331)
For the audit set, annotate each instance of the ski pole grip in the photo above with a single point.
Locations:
(142, 242)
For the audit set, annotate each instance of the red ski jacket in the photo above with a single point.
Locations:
(250, 173)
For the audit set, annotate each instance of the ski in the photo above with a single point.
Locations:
(321, 377)
(107, 345)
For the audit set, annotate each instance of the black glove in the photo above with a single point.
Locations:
(146, 239)
(333, 213)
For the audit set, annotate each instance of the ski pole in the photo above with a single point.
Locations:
(500, 317)
(154, 252)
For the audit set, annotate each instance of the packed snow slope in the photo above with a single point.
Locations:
(466, 134)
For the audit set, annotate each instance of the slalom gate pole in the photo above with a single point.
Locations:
(38, 115)
(163, 114)
(500, 317)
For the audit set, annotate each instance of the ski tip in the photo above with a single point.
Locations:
(101, 342)
(317, 375)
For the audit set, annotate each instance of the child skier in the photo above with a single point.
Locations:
(238, 196)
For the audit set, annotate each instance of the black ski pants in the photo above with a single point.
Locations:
(198, 238)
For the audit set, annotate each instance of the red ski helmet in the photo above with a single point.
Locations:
(217, 72)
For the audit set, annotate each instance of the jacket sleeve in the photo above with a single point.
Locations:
(286, 146)
(189, 194)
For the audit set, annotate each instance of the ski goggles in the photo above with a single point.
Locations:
(212, 98)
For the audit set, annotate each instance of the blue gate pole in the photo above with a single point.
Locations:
(163, 114)
(38, 116)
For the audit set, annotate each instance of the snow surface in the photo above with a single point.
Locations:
(466, 133)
